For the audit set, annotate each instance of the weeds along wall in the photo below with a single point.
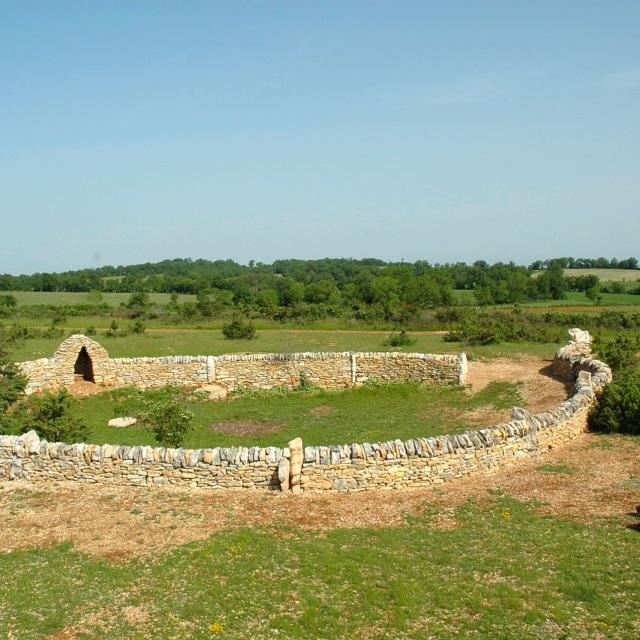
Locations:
(260, 370)
(347, 467)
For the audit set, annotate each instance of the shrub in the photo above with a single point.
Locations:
(58, 319)
(12, 384)
(401, 339)
(618, 408)
(90, 331)
(114, 332)
(498, 326)
(50, 415)
(594, 294)
(618, 352)
(168, 416)
(138, 327)
(238, 329)
(138, 303)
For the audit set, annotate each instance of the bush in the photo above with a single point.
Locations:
(402, 339)
(498, 326)
(138, 327)
(90, 331)
(12, 384)
(167, 415)
(238, 329)
(618, 352)
(50, 415)
(618, 408)
(114, 332)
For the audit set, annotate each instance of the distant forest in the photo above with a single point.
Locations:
(365, 288)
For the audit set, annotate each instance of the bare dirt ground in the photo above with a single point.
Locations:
(592, 477)
(81, 387)
(540, 390)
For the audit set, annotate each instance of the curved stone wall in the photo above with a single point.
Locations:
(359, 466)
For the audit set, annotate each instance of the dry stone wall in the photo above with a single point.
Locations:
(256, 370)
(347, 467)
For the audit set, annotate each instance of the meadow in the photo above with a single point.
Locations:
(28, 298)
(371, 413)
(434, 564)
(182, 341)
(607, 275)
(493, 567)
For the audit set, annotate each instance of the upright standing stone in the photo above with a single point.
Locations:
(297, 456)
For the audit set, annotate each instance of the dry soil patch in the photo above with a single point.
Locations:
(540, 390)
(124, 522)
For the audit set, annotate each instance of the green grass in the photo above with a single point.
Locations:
(579, 299)
(64, 297)
(206, 342)
(366, 414)
(556, 468)
(505, 573)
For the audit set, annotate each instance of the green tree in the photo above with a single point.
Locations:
(168, 416)
(138, 303)
(594, 294)
(267, 302)
(50, 415)
(212, 302)
(12, 384)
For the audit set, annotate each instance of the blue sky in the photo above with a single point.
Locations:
(444, 131)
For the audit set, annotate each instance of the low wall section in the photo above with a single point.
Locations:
(259, 370)
(363, 466)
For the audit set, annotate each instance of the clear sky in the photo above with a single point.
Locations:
(133, 131)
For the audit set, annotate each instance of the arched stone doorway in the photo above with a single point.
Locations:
(83, 368)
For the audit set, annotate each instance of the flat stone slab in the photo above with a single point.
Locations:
(120, 423)
(213, 392)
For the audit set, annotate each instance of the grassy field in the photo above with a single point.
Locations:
(607, 275)
(502, 572)
(579, 299)
(205, 342)
(63, 297)
(460, 297)
(367, 414)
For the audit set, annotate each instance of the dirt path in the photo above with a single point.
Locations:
(594, 476)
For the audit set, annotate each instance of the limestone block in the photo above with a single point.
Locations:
(120, 423)
(296, 460)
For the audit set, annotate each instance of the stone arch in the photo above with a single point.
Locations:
(80, 354)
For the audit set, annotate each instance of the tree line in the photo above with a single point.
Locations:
(368, 289)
